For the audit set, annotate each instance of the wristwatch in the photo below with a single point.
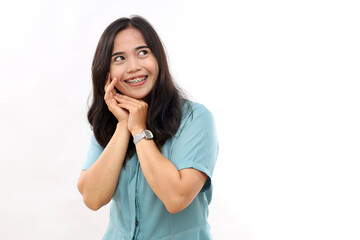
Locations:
(147, 134)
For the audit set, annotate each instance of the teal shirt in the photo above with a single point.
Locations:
(137, 213)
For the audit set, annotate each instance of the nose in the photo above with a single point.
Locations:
(133, 65)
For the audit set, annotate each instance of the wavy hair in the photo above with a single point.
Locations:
(165, 100)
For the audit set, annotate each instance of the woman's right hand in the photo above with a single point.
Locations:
(121, 114)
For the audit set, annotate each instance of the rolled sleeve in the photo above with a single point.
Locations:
(196, 145)
(93, 154)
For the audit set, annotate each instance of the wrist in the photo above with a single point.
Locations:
(122, 126)
(147, 134)
(137, 131)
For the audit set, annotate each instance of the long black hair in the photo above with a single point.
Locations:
(165, 100)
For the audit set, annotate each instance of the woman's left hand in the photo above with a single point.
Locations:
(137, 112)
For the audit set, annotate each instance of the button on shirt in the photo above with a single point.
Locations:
(137, 213)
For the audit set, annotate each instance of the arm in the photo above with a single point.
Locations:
(176, 189)
(98, 183)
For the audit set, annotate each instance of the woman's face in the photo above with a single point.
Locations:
(133, 64)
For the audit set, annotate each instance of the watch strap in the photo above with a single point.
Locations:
(147, 134)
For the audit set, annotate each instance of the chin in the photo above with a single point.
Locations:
(132, 95)
(137, 96)
(141, 95)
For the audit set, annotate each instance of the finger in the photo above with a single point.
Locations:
(127, 98)
(120, 105)
(108, 81)
(110, 102)
(126, 104)
(111, 85)
(109, 93)
(113, 91)
(131, 105)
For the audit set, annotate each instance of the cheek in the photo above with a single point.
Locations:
(119, 86)
(111, 70)
(156, 72)
(118, 89)
(115, 72)
(155, 69)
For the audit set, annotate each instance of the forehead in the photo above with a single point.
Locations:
(128, 39)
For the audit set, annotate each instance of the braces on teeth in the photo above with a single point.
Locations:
(136, 80)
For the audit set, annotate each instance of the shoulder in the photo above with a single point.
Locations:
(195, 115)
(194, 110)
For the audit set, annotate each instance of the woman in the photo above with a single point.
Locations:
(152, 152)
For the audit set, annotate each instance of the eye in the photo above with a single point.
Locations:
(119, 58)
(143, 52)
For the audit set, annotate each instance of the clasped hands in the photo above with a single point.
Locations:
(129, 111)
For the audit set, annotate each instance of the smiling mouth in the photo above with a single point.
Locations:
(136, 80)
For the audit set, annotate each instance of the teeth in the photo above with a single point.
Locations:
(136, 80)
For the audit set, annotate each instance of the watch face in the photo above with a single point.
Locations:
(148, 134)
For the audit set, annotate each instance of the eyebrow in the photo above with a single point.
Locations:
(137, 48)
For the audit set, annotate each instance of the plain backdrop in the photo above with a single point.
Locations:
(280, 77)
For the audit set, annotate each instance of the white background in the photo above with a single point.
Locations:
(280, 77)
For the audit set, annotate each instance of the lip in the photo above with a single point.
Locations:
(139, 76)
(138, 83)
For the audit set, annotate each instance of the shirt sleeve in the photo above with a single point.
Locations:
(94, 152)
(196, 145)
